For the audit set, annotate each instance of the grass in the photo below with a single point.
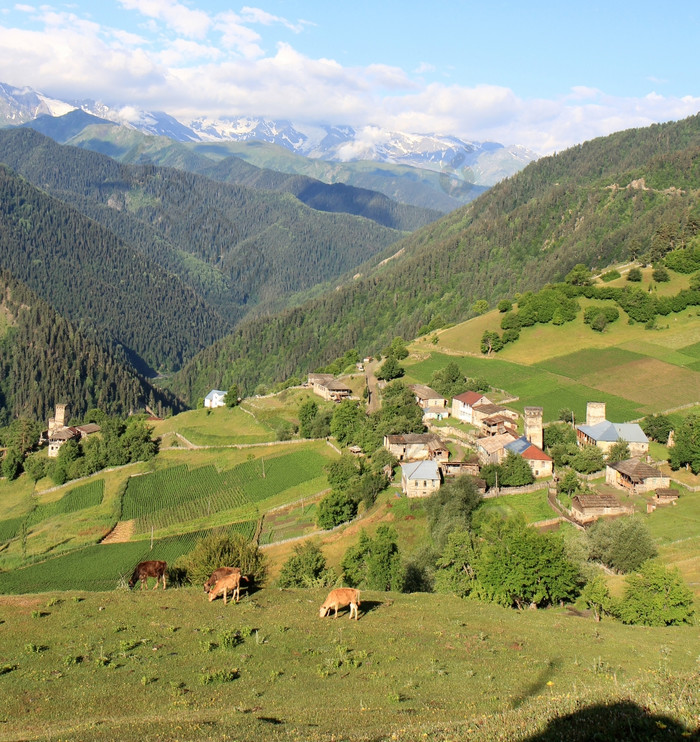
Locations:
(533, 506)
(153, 665)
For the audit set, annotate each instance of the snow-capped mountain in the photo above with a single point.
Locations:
(481, 163)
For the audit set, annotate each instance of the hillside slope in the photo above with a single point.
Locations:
(595, 204)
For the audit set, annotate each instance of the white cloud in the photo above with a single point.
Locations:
(191, 23)
(256, 15)
(238, 37)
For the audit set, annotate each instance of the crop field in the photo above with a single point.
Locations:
(289, 523)
(104, 566)
(156, 665)
(178, 495)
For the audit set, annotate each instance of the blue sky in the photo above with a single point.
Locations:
(543, 74)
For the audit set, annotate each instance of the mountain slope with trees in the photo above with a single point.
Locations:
(629, 194)
(44, 359)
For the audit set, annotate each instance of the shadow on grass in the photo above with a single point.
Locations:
(534, 689)
(623, 720)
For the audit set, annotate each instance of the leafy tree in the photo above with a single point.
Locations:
(660, 275)
(233, 395)
(596, 596)
(450, 508)
(390, 369)
(449, 380)
(480, 307)
(657, 427)
(12, 463)
(558, 433)
(588, 458)
(505, 305)
(307, 414)
(342, 471)
(656, 596)
(565, 415)
(221, 550)
(634, 275)
(579, 275)
(619, 451)
(523, 567)
(22, 434)
(622, 544)
(346, 422)
(455, 567)
(35, 466)
(686, 446)
(284, 430)
(374, 563)
(335, 508)
(306, 568)
(491, 342)
(397, 349)
(515, 471)
(569, 483)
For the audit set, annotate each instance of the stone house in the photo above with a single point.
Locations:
(420, 478)
(215, 398)
(469, 466)
(58, 432)
(427, 398)
(635, 476)
(602, 433)
(463, 405)
(541, 464)
(492, 450)
(588, 508)
(328, 387)
(416, 447)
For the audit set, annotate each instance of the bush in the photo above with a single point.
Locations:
(306, 568)
(623, 544)
(610, 276)
(335, 508)
(221, 550)
(660, 275)
(634, 275)
(656, 596)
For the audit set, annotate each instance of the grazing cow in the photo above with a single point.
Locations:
(231, 582)
(217, 574)
(339, 598)
(144, 570)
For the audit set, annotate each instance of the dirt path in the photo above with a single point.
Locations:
(373, 401)
(121, 533)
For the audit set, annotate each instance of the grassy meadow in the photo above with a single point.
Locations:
(171, 665)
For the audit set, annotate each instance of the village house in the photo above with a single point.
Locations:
(328, 387)
(215, 398)
(602, 433)
(58, 432)
(540, 463)
(492, 449)
(420, 478)
(457, 468)
(463, 405)
(588, 508)
(427, 397)
(416, 447)
(635, 476)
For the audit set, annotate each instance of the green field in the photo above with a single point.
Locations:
(170, 665)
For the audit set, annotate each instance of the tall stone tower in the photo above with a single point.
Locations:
(533, 426)
(595, 413)
(59, 421)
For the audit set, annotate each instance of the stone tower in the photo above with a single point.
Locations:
(533, 426)
(59, 421)
(595, 413)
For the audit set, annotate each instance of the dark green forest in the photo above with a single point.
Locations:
(238, 248)
(627, 195)
(44, 359)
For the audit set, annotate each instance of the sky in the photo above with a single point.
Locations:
(545, 74)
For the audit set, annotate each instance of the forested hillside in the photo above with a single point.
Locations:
(44, 359)
(133, 147)
(630, 194)
(236, 247)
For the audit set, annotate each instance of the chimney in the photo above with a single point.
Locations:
(595, 413)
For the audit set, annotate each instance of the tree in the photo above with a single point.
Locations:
(397, 349)
(491, 342)
(480, 307)
(515, 471)
(521, 566)
(450, 508)
(35, 465)
(307, 414)
(505, 305)
(306, 568)
(335, 508)
(686, 447)
(619, 451)
(596, 596)
(346, 422)
(657, 427)
(233, 396)
(374, 563)
(342, 471)
(634, 275)
(660, 275)
(455, 568)
(656, 596)
(623, 544)
(390, 369)
(221, 550)
(579, 275)
(559, 433)
(588, 458)
(569, 483)
(12, 463)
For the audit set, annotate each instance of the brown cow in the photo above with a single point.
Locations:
(144, 570)
(217, 574)
(231, 582)
(339, 598)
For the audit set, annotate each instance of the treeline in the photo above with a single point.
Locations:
(45, 359)
(524, 233)
(235, 246)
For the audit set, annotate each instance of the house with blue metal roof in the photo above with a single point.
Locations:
(540, 463)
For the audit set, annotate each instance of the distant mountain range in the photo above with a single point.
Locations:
(479, 163)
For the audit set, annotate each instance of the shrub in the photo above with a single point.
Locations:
(306, 568)
(610, 275)
(335, 508)
(656, 596)
(660, 275)
(634, 275)
(216, 550)
(623, 544)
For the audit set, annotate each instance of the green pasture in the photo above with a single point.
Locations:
(533, 506)
(157, 665)
(218, 427)
(103, 566)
